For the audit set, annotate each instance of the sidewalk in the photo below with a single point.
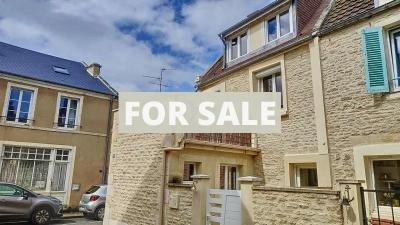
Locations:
(71, 215)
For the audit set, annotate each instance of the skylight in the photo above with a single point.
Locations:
(60, 70)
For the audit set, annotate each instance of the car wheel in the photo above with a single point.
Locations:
(41, 216)
(99, 213)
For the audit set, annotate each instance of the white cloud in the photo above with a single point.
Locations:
(86, 31)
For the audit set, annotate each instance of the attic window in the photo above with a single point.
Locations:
(60, 70)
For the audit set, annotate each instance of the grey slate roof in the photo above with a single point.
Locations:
(38, 66)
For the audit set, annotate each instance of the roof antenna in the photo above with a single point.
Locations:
(159, 79)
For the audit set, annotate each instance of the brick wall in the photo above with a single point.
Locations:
(182, 215)
(353, 116)
(300, 207)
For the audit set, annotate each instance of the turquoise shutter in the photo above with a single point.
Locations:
(376, 75)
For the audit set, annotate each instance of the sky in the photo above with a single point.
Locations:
(129, 38)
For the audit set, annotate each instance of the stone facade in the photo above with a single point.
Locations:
(134, 178)
(354, 117)
(289, 207)
(182, 215)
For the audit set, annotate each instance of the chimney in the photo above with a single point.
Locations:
(94, 69)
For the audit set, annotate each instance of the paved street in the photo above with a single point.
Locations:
(69, 221)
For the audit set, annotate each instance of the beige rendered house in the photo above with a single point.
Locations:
(54, 125)
(337, 160)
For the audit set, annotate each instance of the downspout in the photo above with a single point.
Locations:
(108, 138)
(163, 179)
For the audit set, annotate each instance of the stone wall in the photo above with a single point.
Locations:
(354, 117)
(134, 178)
(295, 206)
(182, 215)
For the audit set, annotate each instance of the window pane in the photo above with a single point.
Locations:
(13, 105)
(267, 84)
(23, 117)
(6, 190)
(8, 168)
(14, 93)
(24, 107)
(25, 172)
(308, 177)
(26, 96)
(272, 31)
(11, 115)
(284, 22)
(60, 171)
(40, 176)
(234, 48)
(188, 171)
(278, 87)
(397, 54)
(222, 177)
(243, 44)
(63, 102)
(74, 104)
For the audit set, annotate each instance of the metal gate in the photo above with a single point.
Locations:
(380, 207)
(223, 207)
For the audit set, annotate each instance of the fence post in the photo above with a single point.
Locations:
(201, 184)
(353, 211)
(246, 197)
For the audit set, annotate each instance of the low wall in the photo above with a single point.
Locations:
(278, 206)
(182, 215)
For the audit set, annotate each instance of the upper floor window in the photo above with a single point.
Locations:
(271, 81)
(19, 105)
(279, 26)
(381, 2)
(395, 48)
(238, 46)
(68, 109)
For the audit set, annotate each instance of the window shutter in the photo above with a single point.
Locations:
(376, 75)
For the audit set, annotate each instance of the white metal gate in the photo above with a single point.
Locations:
(223, 207)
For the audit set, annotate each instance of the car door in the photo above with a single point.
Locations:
(13, 201)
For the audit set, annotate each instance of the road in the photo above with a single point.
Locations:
(69, 221)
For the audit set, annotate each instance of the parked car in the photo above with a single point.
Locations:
(93, 202)
(19, 203)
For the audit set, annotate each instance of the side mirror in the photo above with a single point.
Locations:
(25, 196)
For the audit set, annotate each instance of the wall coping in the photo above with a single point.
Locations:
(200, 176)
(180, 185)
(297, 190)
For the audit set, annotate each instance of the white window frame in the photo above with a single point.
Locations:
(78, 111)
(278, 26)
(379, 3)
(32, 104)
(194, 172)
(229, 45)
(394, 64)
(296, 171)
(70, 168)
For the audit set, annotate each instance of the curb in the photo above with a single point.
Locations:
(72, 215)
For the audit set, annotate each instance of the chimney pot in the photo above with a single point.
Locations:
(94, 69)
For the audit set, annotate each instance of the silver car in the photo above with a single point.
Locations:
(93, 202)
(22, 204)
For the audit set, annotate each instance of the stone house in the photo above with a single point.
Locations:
(55, 123)
(336, 64)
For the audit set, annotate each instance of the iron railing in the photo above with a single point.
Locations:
(241, 139)
(382, 198)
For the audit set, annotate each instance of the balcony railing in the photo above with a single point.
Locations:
(241, 139)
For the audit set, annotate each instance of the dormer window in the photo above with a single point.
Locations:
(381, 2)
(238, 47)
(279, 26)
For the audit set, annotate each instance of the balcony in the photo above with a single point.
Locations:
(239, 139)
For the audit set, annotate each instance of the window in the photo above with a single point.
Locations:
(188, 171)
(238, 46)
(395, 53)
(60, 70)
(68, 112)
(10, 191)
(386, 176)
(306, 175)
(228, 177)
(381, 2)
(19, 106)
(30, 167)
(279, 26)
(272, 83)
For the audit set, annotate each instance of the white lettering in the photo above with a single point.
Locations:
(160, 113)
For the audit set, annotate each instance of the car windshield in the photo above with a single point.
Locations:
(92, 189)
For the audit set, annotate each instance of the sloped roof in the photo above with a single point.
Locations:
(343, 10)
(26, 63)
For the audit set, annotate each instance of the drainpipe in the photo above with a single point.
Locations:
(108, 138)
(163, 181)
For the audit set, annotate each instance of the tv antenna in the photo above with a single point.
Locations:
(159, 80)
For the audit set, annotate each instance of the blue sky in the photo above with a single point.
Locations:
(128, 38)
